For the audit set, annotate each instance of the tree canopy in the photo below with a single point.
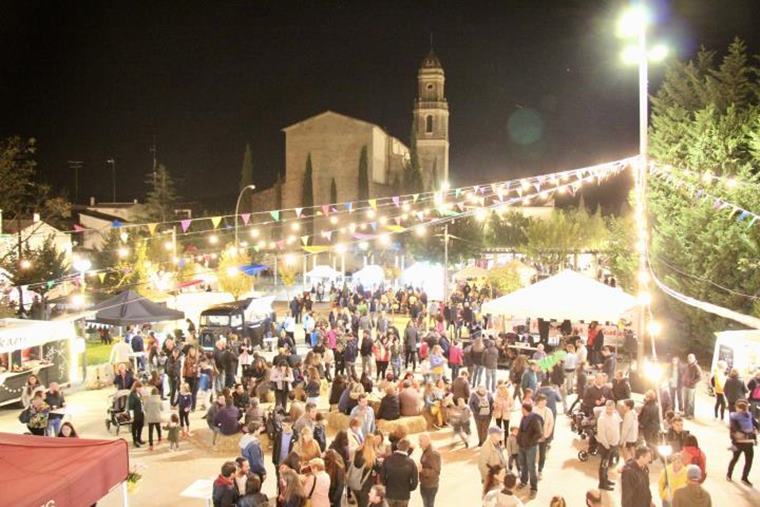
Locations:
(162, 196)
(706, 119)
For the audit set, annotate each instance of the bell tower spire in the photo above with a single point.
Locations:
(431, 120)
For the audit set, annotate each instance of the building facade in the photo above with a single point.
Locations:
(335, 142)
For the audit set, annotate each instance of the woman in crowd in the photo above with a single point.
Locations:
(31, 387)
(340, 445)
(67, 431)
(693, 455)
(153, 408)
(316, 483)
(382, 356)
(291, 490)
(135, 405)
(365, 459)
(493, 484)
(336, 469)
(190, 372)
(306, 447)
(38, 413)
(432, 405)
(743, 430)
(502, 408)
(313, 386)
(253, 496)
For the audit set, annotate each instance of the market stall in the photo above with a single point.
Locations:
(129, 307)
(369, 276)
(322, 273)
(425, 276)
(49, 349)
(740, 349)
(60, 472)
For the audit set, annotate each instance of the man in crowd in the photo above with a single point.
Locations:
(430, 471)
(492, 452)
(692, 374)
(399, 475)
(531, 431)
(635, 479)
(608, 438)
(693, 495)
(223, 492)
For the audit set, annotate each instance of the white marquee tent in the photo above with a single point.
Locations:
(425, 276)
(323, 272)
(566, 295)
(369, 276)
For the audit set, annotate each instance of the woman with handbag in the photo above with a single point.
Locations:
(363, 470)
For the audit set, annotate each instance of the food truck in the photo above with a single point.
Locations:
(740, 349)
(250, 318)
(49, 349)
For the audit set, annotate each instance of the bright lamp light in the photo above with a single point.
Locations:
(654, 328)
(630, 55)
(658, 53)
(633, 21)
(664, 450)
(82, 264)
(232, 271)
(653, 371)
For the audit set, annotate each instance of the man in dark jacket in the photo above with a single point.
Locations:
(400, 476)
(460, 388)
(490, 363)
(284, 438)
(223, 492)
(610, 362)
(635, 480)
(411, 337)
(594, 395)
(430, 471)
(389, 406)
(226, 419)
(530, 432)
(174, 372)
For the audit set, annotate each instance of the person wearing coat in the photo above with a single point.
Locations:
(389, 406)
(734, 390)
(490, 363)
(153, 408)
(481, 405)
(399, 473)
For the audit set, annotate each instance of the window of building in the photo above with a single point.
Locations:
(429, 124)
(430, 86)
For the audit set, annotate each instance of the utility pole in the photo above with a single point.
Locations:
(445, 262)
(113, 177)
(76, 165)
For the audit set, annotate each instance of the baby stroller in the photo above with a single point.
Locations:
(118, 413)
(585, 426)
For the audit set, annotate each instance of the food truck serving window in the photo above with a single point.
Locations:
(215, 320)
(236, 320)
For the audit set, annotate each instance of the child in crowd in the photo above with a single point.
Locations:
(172, 429)
(184, 404)
(513, 449)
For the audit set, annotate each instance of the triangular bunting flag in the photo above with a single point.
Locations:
(246, 218)
(397, 220)
(152, 228)
(79, 228)
(280, 244)
(373, 225)
(743, 216)
(349, 206)
(298, 212)
(215, 221)
(256, 248)
(537, 186)
(326, 209)
(457, 191)
(185, 224)
(420, 215)
(305, 240)
(476, 188)
(415, 197)
(372, 203)
(460, 205)
(328, 235)
(116, 224)
(275, 215)
(396, 201)
(316, 249)
(102, 276)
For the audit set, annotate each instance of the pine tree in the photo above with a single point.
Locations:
(363, 175)
(412, 173)
(333, 192)
(307, 200)
(162, 196)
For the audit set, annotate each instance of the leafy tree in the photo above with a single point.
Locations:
(45, 263)
(307, 199)
(333, 192)
(620, 253)
(231, 279)
(507, 230)
(706, 117)
(363, 175)
(288, 272)
(504, 279)
(17, 173)
(162, 196)
(465, 242)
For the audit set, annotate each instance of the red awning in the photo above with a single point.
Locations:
(65, 472)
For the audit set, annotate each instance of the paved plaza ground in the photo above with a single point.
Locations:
(167, 473)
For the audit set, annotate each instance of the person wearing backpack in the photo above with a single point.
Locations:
(753, 387)
(481, 405)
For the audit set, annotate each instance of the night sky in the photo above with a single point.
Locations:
(533, 86)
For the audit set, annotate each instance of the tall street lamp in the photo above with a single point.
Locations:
(633, 25)
(237, 207)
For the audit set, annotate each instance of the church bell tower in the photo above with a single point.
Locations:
(431, 121)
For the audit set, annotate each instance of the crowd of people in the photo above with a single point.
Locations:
(439, 364)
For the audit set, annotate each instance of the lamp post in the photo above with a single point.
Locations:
(113, 177)
(237, 207)
(633, 24)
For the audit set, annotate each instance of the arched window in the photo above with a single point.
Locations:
(429, 124)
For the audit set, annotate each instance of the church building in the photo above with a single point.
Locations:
(335, 143)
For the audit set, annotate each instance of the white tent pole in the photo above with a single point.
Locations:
(124, 497)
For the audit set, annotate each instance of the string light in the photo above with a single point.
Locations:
(654, 328)
(123, 236)
(123, 252)
(25, 264)
(295, 226)
(254, 233)
(333, 220)
(420, 230)
(213, 239)
(370, 214)
(168, 245)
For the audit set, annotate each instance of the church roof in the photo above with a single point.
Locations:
(431, 61)
(328, 113)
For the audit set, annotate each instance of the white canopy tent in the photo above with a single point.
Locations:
(369, 276)
(425, 276)
(566, 295)
(470, 273)
(322, 273)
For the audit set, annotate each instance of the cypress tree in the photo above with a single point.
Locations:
(307, 201)
(333, 192)
(363, 175)
(246, 172)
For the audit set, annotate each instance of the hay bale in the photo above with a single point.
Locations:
(225, 444)
(337, 421)
(413, 424)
